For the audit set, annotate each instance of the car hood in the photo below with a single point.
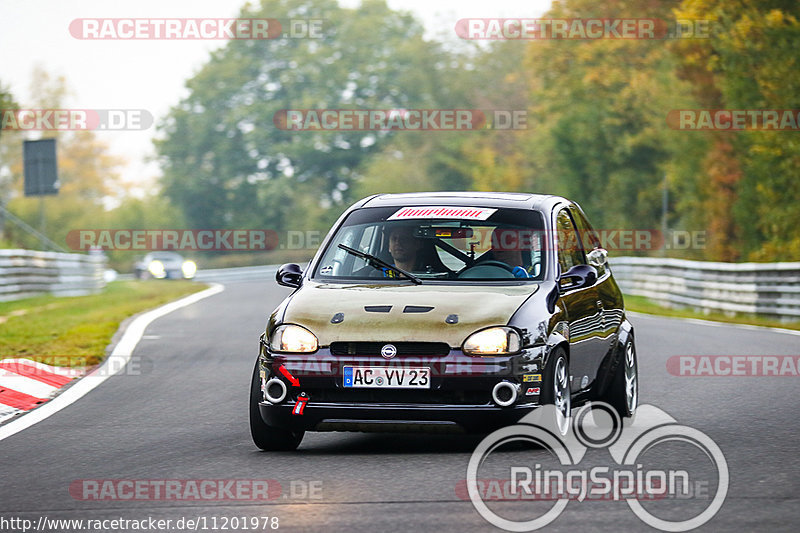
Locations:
(417, 313)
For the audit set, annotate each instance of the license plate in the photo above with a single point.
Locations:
(381, 377)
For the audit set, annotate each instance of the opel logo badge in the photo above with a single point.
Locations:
(388, 351)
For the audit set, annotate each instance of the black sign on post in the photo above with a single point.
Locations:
(41, 168)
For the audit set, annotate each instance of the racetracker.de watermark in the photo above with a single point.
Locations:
(399, 119)
(734, 365)
(175, 489)
(73, 366)
(334, 366)
(581, 28)
(612, 240)
(75, 119)
(159, 29)
(212, 490)
(173, 239)
(734, 119)
(599, 483)
(259, 240)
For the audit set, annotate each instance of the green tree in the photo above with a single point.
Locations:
(490, 79)
(599, 132)
(750, 62)
(227, 164)
(87, 173)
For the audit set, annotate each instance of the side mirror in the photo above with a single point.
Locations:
(577, 277)
(289, 275)
(598, 257)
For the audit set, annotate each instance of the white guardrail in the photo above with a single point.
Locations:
(25, 273)
(768, 289)
(225, 275)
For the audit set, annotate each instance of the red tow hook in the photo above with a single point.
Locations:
(293, 380)
(300, 405)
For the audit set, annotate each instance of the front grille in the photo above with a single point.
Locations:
(409, 396)
(403, 348)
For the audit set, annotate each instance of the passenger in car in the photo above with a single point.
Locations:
(507, 248)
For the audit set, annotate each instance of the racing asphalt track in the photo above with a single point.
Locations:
(185, 417)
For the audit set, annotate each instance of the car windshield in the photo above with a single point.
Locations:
(166, 256)
(447, 243)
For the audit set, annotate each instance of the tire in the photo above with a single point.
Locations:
(623, 392)
(266, 437)
(556, 389)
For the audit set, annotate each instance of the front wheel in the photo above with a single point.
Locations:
(556, 389)
(266, 437)
(623, 393)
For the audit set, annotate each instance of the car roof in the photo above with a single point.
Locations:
(165, 254)
(466, 198)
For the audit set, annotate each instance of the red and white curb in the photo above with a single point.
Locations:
(116, 361)
(25, 384)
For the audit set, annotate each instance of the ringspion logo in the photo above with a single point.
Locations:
(698, 475)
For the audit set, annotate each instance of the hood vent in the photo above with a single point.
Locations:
(417, 309)
(377, 308)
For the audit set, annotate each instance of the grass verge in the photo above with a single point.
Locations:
(74, 331)
(640, 304)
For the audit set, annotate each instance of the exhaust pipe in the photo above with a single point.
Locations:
(505, 393)
(275, 391)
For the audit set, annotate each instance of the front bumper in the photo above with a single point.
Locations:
(405, 417)
(459, 398)
(177, 274)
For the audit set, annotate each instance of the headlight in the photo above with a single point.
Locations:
(292, 338)
(188, 268)
(493, 341)
(156, 268)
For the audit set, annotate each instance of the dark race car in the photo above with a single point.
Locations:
(444, 312)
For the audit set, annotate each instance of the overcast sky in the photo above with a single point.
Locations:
(151, 74)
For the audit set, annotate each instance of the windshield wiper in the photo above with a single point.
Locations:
(376, 263)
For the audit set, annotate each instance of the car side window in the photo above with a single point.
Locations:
(367, 238)
(588, 236)
(569, 245)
